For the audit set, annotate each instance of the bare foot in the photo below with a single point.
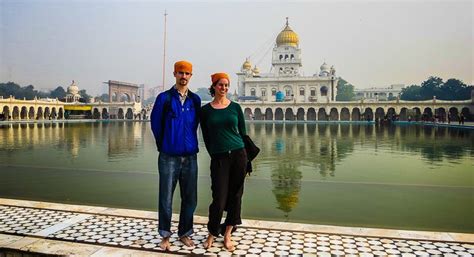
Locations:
(165, 244)
(229, 244)
(209, 241)
(187, 241)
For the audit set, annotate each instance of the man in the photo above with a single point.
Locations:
(174, 122)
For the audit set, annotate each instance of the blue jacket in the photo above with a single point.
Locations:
(177, 133)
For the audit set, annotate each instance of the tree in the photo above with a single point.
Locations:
(431, 87)
(59, 93)
(345, 91)
(9, 88)
(454, 89)
(85, 98)
(103, 98)
(27, 92)
(411, 93)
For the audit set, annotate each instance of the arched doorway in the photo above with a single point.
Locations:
(6, 113)
(453, 114)
(61, 113)
(258, 114)
(345, 115)
(333, 114)
(441, 114)
(248, 114)
(368, 114)
(416, 114)
(289, 114)
(54, 114)
(391, 114)
(427, 114)
(125, 98)
(24, 113)
(300, 114)
(47, 113)
(268, 114)
(466, 113)
(278, 114)
(105, 113)
(322, 114)
(39, 113)
(120, 114)
(403, 114)
(379, 114)
(31, 113)
(311, 115)
(16, 113)
(355, 114)
(129, 114)
(96, 114)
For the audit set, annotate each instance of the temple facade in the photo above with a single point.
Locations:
(285, 81)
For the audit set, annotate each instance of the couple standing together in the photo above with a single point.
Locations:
(174, 122)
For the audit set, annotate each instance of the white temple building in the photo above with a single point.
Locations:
(73, 95)
(285, 82)
(379, 93)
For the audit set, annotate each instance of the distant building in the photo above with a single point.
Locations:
(285, 83)
(378, 93)
(73, 95)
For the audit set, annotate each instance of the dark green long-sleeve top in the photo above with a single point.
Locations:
(222, 129)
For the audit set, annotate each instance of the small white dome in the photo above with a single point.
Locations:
(73, 89)
(324, 67)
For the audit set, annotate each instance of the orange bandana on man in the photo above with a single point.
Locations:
(183, 66)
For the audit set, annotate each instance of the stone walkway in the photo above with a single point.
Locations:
(98, 231)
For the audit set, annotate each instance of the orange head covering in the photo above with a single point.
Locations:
(183, 66)
(217, 76)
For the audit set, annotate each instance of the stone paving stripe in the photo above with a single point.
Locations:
(60, 226)
(134, 233)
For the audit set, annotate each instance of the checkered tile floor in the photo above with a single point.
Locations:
(136, 233)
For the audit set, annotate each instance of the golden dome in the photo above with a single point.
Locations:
(246, 65)
(287, 37)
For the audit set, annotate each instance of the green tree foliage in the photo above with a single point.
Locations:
(345, 91)
(103, 98)
(431, 87)
(411, 93)
(452, 89)
(12, 89)
(85, 98)
(29, 93)
(59, 93)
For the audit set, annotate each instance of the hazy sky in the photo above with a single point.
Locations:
(370, 43)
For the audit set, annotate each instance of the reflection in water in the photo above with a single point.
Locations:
(289, 148)
(286, 180)
(323, 145)
(124, 139)
(315, 172)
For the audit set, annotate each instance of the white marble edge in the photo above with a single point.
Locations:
(50, 246)
(260, 224)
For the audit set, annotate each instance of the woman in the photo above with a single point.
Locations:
(223, 126)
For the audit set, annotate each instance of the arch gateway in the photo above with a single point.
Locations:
(360, 110)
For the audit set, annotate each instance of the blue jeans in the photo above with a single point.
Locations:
(173, 169)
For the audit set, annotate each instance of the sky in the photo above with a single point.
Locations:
(372, 43)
